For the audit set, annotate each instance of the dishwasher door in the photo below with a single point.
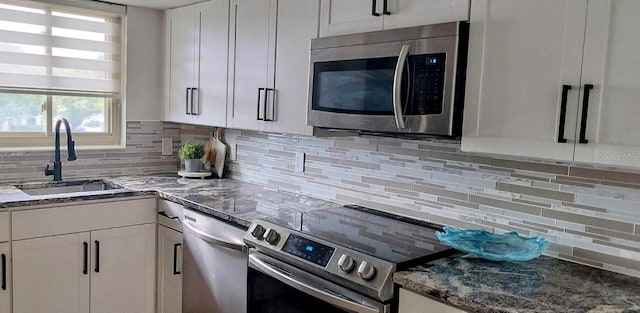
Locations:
(215, 266)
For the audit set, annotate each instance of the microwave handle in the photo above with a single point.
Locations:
(397, 85)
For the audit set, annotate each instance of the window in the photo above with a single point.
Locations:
(56, 62)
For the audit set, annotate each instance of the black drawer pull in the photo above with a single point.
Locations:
(97, 269)
(4, 271)
(585, 113)
(163, 213)
(175, 259)
(563, 113)
(85, 262)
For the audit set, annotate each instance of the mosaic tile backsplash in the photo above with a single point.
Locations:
(142, 156)
(591, 215)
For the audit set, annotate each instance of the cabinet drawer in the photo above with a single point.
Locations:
(85, 217)
(4, 226)
(411, 302)
(170, 214)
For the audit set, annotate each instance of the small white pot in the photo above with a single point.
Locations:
(192, 165)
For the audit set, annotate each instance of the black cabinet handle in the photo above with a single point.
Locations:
(187, 102)
(175, 259)
(4, 271)
(373, 8)
(385, 9)
(97, 269)
(85, 262)
(585, 113)
(193, 111)
(266, 100)
(563, 113)
(258, 105)
(163, 213)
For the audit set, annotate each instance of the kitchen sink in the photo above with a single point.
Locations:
(85, 186)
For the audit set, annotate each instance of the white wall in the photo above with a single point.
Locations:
(145, 33)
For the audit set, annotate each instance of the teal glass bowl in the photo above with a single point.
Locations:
(494, 247)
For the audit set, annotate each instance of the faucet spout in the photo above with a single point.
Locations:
(71, 150)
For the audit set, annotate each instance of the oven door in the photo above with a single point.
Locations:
(277, 287)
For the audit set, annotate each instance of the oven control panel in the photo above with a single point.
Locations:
(327, 259)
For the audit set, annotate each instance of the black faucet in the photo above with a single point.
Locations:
(71, 151)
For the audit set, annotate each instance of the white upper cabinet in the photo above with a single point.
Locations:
(269, 64)
(521, 53)
(554, 79)
(338, 17)
(197, 37)
(182, 40)
(611, 64)
(252, 26)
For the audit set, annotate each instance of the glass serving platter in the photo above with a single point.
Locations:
(495, 247)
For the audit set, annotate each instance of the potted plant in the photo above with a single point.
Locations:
(191, 152)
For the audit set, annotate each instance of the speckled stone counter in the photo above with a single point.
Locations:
(228, 199)
(542, 285)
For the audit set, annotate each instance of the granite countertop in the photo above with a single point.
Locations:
(228, 199)
(542, 285)
(232, 200)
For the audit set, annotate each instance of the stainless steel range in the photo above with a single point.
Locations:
(334, 260)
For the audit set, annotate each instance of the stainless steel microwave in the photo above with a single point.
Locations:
(408, 80)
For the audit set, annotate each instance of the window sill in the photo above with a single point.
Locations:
(64, 148)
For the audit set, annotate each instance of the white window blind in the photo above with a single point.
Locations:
(53, 49)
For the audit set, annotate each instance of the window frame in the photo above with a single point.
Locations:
(114, 134)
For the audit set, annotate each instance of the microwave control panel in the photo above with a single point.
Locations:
(428, 83)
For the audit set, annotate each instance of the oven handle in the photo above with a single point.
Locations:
(397, 85)
(312, 291)
(213, 240)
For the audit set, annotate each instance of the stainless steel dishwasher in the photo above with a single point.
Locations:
(215, 266)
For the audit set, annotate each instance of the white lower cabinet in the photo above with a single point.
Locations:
(123, 264)
(169, 270)
(97, 258)
(5, 278)
(411, 302)
(51, 275)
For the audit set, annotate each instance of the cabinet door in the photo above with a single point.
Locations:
(182, 47)
(51, 274)
(297, 25)
(5, 278)
(123, 269)
(521, 53)
(413, 303)
(611, 65)
(169, 270)
(213, 28)
(251, 58)
(407, 13)
(339, 17)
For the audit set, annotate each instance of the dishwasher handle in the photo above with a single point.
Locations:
(211, 239)
(313, 291)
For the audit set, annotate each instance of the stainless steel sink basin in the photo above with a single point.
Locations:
(68, 187)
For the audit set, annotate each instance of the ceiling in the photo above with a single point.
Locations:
(155, 4)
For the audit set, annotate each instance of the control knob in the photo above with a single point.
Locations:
(366, 271)
(257, 231)
(271, 236)
(346, 263)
